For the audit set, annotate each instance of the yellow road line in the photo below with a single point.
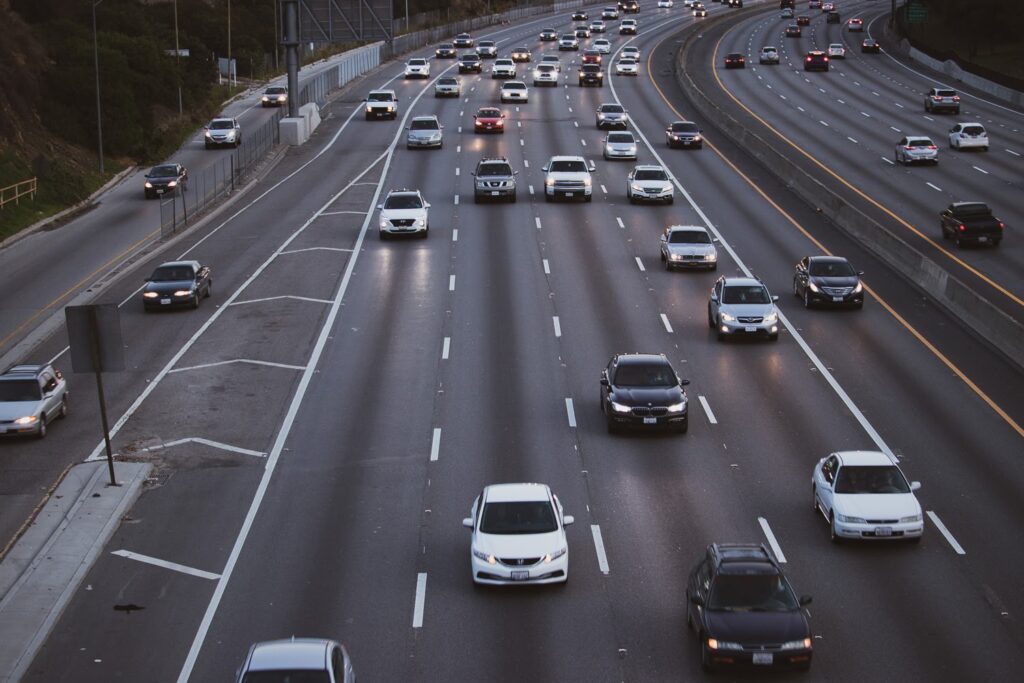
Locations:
(902, 321)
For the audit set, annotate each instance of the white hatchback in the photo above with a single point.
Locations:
(836, 51)
(863, 494)
(518, 536)
(968, 135)
(665, 3)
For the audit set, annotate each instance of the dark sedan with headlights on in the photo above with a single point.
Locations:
(643, 390)
(165, 179)
(828, 280)
(177, 283)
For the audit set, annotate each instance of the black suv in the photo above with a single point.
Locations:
(591, 74)
(642, 390)
(744, 610)
(494, 179)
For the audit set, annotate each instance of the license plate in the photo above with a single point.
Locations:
(494, 193)
(160, 191)
(520, 575)
(837, 298)
(763, 658)
(983, 239)
(650, 420)
(883, 531)
(165, 301)
(568, 194)
(750, 329)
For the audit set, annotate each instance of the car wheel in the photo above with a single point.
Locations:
(209, 288)
(773, 337)
(41, 434)
(612, 427)
(896, 157)
(807, 297)
(64, 406)
(196, 299)
(833, 536)
(632, 199)
(512, 199)
(547, 197)
(711, 321)
(383, 236)
(476, 199)
(684, 427)
(588, 198)
(796, 288)
(705, 657)
(670, 200)
(814, 499)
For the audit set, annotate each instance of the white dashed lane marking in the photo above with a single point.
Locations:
(707, 410)
(934, 187)
(570, 413)
(640, 264)
(446, 348)
(558, 326)
(421, 597)
(435, 443)
(666, 323)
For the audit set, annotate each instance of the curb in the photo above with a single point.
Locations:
(973, 310)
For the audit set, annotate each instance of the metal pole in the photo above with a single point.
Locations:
(291, 54)
(277, 36)
(177, 56)
(406, 16)
(230, 70)
(95, 344)
(96, 57)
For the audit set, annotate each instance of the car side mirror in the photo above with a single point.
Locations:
(683, 382)
(714, 297)
(775, 297)
(568, 520)
(544, 168)
(515, 172)
(695, 599)
(915, 485)
(860, 272)
(426, 205)
(468, 522)
(472, 173)
(664, 238)
(146, 176)
(380, 207)
(805, 600)
(604, 381)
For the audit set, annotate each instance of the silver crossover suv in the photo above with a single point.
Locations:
(742, 306)
(30, 397)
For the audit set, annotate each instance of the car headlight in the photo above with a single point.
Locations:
(489, 559)
(696, 138)
(676, 257)
(209, 135)
(550, 557)
(851, 520)
(183, 292)
(859, 288)
(677, 407)
(803, 643)
(728, 318)
(771, 318)
(150, 295)
(636, 188)
(549, 182)
(619, 408)
(264, 99)
(282, 98)
(421, 222)
(148, 185)
(716, 644)
(369, 109)
(911, 518)
(713, 256)
(814, 287)
(172, 183)
(586, 181)
(384, 222)
(27, 420)
(390, 108)
(435, 137)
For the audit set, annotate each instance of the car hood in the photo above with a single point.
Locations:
(392, 214)
(845, 281)
(14, 409)
(424, 134)
(612, 115)
(169, 285)
(519, 545)
(221, 132)
(877, 505)
(756, 628)
(748, 309)
(621, 146)
(162, 180)
(643, 396)
(689, 249)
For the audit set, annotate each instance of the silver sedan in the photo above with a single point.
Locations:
(620, 145)
(650, 183)
(688, 246)
(425, 131)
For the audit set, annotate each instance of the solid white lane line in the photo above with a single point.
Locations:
(435, 443)
(934, 187)
(707, 409)
(307, 249)
(446, 348)
(888, 161)
(665, 322)
(536, 220)
(640, 264)
(558, 326)
(771, 540)
(619, 221)
(451, 283)
(547, 267)
(174, 566)
(602, 557)
(455, 234)
(570, 412)
(456, 200)
(957, 548)
(980, 170)
(421, 597)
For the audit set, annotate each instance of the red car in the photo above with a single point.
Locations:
(488, 120)
(803, 20)
(735, 60)
(591, 57)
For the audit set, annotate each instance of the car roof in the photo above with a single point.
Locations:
(741, 282)
(565, 157)
(507, 493)
(173, 264)
(815, 53)
(382, 91)
(826, 259)
(640, 358)
(688, 228)
(918, 137)
(297, 653)
(429, 117)
(855, 458)
(416, 59)
(516, 84)
(222, 118)
(743, 558)
(22, 371)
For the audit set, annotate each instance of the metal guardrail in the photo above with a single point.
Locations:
(14, 193)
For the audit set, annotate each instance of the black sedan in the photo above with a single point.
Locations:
(735, 60)
(177, 283)
(165, 179)
(870, 45)
(445, 51)
(828, 280)
(470, 62)
(643, 390)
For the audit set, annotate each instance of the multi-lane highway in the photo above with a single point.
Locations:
(322, 424)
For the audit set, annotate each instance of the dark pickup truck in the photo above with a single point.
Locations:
(965, 222)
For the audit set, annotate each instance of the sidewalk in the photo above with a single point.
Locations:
(45, 567)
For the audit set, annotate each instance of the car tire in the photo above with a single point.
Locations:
(711, 321)
(512, 198)
(476, 199)
(807, 297)
(588, 198)
(64, 406)
(773, 337)
(41, 434)
(896, 158)
(369, 117)
(384, 236)
(612, 427)
(670, 200)
(684, 428)
(547, 197)
(705, 658)
(196, 299)
(833, 536)
(209, 289)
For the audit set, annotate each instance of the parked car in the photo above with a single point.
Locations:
(742, 306)
(165, 179)
(971, 222)
(175, 284)
(404, 212)
(425, 131)
(642, 390)
(298, 660)
(913, 149)
(650, 183)
(518, 536)
(828, 280)
(688, 246)
(31, 396)
(968, 136)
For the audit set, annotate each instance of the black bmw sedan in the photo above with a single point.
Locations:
(643, 390)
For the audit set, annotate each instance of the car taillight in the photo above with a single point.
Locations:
(962, 227)
(808, 59)
(932, 147)
(1001, 226)
(908, 148)
(826, 59)
(956, 98)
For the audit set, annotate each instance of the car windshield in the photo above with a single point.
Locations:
(417, 62)
(573, 166)
(470, 58)
(684, 127)
(768, 49)
(620, 137)
(486, 43)
(287, 676)
(514, 85)
(627, 61)
(20, 390)
(751, 593)
(446, 46)
(972, 209)
(650, 174)
(645, 375)
(946, 93)
(447, 81)
(221, 125)
(495, 169)
(745, 294)
(489, 114)
(546, 68)
(277, 90)
(871, 479)
(526, 517)
(379, 97)
(403, 201)
(171, 274)
(734, 55)
(835, 46)
(424, 124)
(689, 237)
(504, 62)
(831, 269)
(163, 172)
(612, 108)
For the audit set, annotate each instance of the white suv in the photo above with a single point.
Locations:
(545, 74)
(503, 68)
(404, 212)
(566, 177)
(31, 396)
(417, 67)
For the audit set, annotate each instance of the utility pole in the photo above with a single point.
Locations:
(230, 70)
(277, 35)
(96, 57)
(177, 56)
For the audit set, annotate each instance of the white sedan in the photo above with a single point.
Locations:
(603, 46)
(863, 494)
(627, 66)
(836, 51)
(518, 536)
(630, 51)
(665, 3)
